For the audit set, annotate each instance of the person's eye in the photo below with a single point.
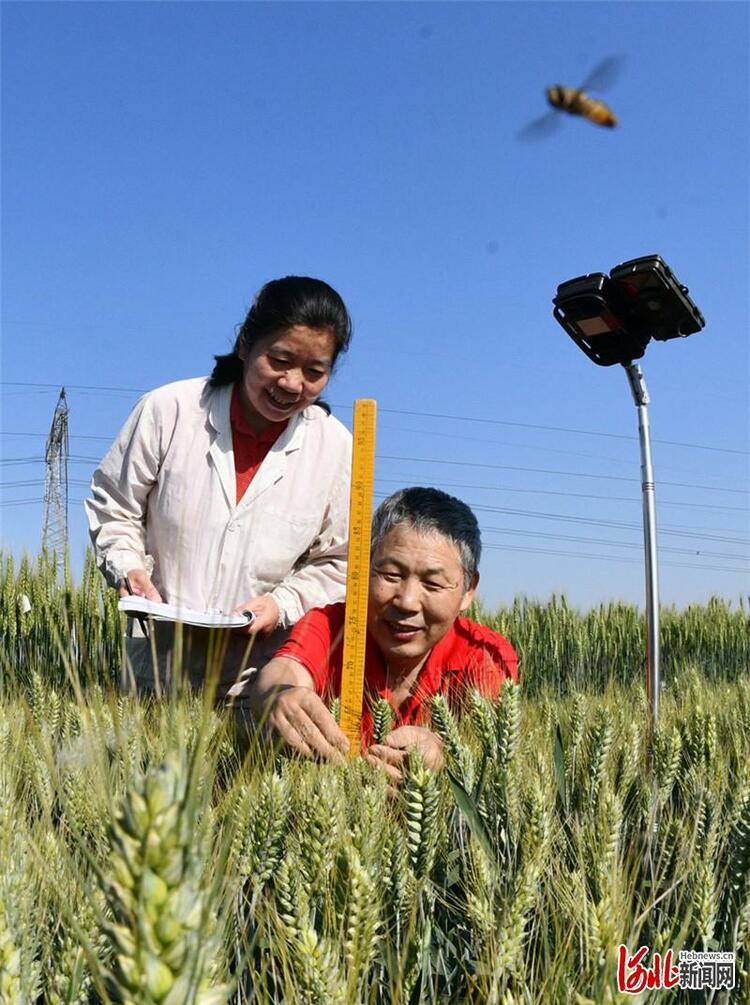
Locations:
(316, 374)
(389, 577)
(278, 361)
(434, 587)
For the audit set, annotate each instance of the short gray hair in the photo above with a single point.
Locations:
(431, 511)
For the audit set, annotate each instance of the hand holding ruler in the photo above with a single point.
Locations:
(358, 571)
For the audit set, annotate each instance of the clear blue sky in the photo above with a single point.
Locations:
(161, 161)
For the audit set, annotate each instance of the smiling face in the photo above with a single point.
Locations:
(284, 373)
(416, 593)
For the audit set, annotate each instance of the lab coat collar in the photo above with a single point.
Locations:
(222, 452)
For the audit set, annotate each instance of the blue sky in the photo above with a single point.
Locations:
(161, 161)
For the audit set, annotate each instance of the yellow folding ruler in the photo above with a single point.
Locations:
(358, 571)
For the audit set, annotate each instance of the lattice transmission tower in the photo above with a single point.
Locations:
(55, 532)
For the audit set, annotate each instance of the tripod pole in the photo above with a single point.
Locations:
(641, 399)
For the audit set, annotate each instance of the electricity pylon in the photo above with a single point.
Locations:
(55, 532)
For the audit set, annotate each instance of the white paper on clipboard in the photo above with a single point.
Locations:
(140, 606)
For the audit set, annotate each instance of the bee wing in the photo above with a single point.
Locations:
(603, 75)
(545, 125)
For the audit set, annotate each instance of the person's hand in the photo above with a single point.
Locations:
(140, 586)
(300, 718)
(393, 751)
(266, 612)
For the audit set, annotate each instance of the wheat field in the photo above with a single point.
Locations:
(150, 855)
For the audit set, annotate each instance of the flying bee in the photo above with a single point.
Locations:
(579, 103)
(576, 101)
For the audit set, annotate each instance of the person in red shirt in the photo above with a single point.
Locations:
(425, 553)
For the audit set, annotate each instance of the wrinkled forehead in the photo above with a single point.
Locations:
(420, 550)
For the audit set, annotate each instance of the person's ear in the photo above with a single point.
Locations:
(468, 598)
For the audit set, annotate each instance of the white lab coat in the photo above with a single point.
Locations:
(164, 499)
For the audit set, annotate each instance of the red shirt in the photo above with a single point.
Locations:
(469, 655)
(250, 447)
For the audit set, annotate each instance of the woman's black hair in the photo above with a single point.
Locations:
(282, 304)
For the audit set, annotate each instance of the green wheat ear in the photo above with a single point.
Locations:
(19, 894)
(10, 951)
(422, 803)
(508, 715)
(163, 930)
(10, 960)
(267, 824)
(382, 719)
(458, 755)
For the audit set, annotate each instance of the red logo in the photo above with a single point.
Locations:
(633, 977)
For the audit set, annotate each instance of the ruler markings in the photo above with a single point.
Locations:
(358, 570)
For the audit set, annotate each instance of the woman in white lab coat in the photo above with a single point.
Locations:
(231, 492)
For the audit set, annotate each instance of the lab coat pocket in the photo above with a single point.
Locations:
(186, 501)
(278, 541)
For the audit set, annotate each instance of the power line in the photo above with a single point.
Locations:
(574, 495)
(499, 530)
(549, 471)
(71, 436)
(514, 548)
(607, 558)
(28, 484)
(672, 532)
(40, 460)
(432, 434)
(93, 460)
(523, 533)
(473, 438)
(74, 387)
(528, 551)
(470, 464)
(550, 446)
(491, 488)
(697, 532)
(631, 545)
(556, 429)
(426, 415)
